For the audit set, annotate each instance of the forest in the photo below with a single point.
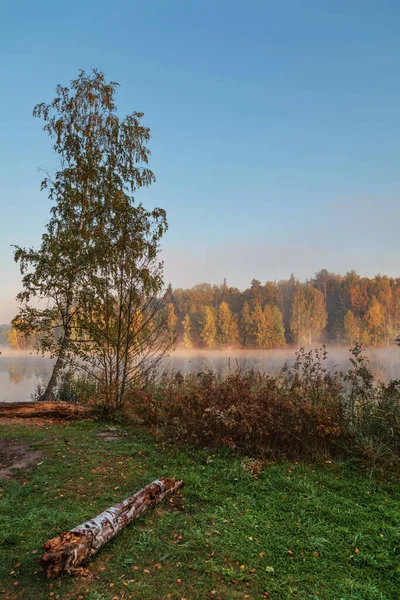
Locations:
(329, 308)
(339, 309)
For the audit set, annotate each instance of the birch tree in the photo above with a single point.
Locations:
(91, 291)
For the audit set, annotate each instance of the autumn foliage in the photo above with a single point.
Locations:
(306, 410)
(339, 309)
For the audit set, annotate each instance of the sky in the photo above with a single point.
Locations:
(275, 128)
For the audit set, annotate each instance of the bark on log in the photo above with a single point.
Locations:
(68, 551)
(61, 410)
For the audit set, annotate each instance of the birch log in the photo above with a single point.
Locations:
(60, 410)
(68, 551)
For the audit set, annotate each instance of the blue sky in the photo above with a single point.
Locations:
(275, 128)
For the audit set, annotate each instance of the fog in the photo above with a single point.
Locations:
(21, 372)
(385, 362)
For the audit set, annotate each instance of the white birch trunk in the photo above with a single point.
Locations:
(68, 551)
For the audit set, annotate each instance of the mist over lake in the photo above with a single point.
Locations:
(21, 372)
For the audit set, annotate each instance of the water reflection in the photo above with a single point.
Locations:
(20, 373)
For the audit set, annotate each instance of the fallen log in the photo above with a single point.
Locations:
(68, 551)
(61, 410)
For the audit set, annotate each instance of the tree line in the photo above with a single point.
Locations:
(340, 309)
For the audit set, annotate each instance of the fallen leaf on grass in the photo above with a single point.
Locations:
(270, 569)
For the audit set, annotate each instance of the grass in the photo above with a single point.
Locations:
(296, 530)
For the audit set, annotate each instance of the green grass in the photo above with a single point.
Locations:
(292, 532)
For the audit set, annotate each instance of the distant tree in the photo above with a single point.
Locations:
(227, 329)
(246, 326)
(18, 340)
(271, 293)
(352, 328)
(299, 318)
(260, 328)
(256, 292)
(309, 314)
(317, 314)
(396, 310)
(224, 290)
(172, 322)
(187, 328)
(375, 318)
(286, 291)
(357, 293)
(209, 327)
(386, 297)
(277, 329)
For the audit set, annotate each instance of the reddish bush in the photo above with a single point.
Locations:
(297, 412)
(305, 410)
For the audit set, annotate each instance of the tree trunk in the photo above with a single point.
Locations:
(68, 551)
(47, 395)
(59, 410)
(48, 392)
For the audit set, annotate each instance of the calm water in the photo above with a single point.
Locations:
(20, 373)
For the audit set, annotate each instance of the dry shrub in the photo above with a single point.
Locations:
(306, 410)
(299, 411)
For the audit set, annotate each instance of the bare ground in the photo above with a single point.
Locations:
(14, 455)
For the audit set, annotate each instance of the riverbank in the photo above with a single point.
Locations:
(240, 529)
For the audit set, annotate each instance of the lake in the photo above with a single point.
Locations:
(20, 373)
